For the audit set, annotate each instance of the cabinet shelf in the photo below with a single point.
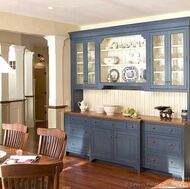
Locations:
(158, 47)
(123, 49)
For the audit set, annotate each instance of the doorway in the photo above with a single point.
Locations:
(40, 93)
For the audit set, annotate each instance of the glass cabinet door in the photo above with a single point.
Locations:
(85, 63)
(91, 63)
(79, 63)
(177, 59)
(159, 73)
(168, 59)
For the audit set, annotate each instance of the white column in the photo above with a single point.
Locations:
(29, 88)
(17, 54)
(4, 77)
(4, 91)
(16, 88)
(55, 107)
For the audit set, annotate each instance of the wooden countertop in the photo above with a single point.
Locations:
(144, 118)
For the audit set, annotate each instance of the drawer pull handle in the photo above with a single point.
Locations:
(132, 126)
(170, 130)
(85, 147)
(171, 144)
(72, 118)
(153, 128)
(73, 129)
(153, 159)
(113, 124)
(73, 144)
(153, 141)
(95, 122)
(171, 162)
(85, 132)
(84, 120)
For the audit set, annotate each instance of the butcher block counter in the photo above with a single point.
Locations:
(119, 116)
(144, 144)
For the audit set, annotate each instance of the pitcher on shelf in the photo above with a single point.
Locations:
(83, 105)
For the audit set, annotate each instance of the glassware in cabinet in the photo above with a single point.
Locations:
(168, 58)
(177, 59)
(158, 60)
(91, 62)
(79, 63)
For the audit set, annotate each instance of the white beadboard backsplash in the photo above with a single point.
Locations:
(142, 101)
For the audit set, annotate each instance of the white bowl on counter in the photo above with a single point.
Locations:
(99, 109)
(110, 109)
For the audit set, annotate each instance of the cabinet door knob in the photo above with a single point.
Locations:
(132, 126)
(113, 124)
(153, 141)
(171, 162)
(86, 132)
(170, 130)
(153, 128)
(153, 159)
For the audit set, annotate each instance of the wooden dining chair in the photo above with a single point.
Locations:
(15, 135)
(31, 176)
(52, 142)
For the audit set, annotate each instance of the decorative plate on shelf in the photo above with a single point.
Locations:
(115, 74)
(143, 74)
(130, 74)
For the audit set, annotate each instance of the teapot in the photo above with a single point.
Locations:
(109, 78)
(83, 105)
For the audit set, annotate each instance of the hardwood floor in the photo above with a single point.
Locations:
(79, 173)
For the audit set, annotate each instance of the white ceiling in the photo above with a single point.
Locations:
(87, 12)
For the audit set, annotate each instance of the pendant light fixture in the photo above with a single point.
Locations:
(5, 67)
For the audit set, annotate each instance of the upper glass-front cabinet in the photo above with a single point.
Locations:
(168, 60)
(123, 59)
(85, 63)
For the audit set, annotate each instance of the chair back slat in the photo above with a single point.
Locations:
(52, 142)
(15, 135)
(37, 176)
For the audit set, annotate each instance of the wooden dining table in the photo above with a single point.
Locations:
(11, 151)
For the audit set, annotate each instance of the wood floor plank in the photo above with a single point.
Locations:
(80, 173)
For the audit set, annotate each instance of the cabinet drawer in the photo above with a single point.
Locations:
(95, 122)
(79, 131)
(162, 162)
(78, 145)
(132, 126)
(164, 144)
(79, 120)
(113, 123)
(164, 129)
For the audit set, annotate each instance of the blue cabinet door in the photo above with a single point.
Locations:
(101, 144)
(125, 145)
(83, 64)
(168, 58)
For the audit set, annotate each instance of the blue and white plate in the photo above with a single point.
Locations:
(130, 74)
